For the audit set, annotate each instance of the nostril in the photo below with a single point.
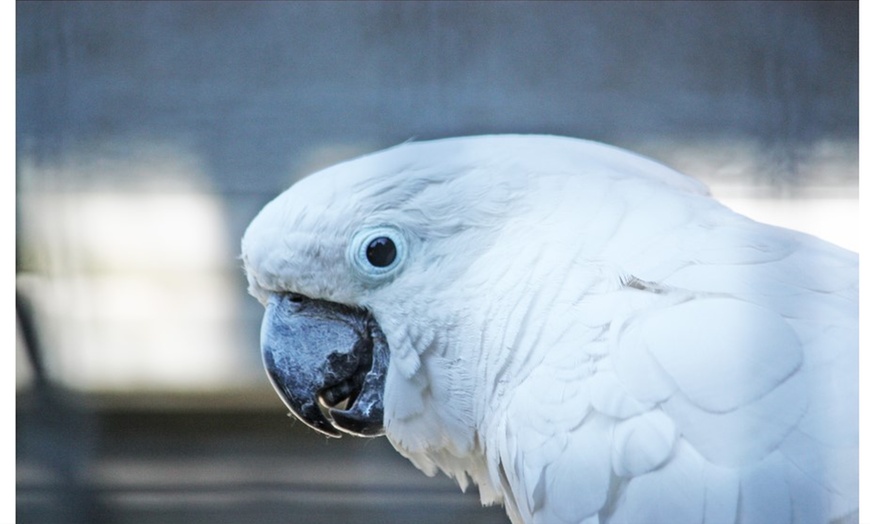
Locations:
(295, 298)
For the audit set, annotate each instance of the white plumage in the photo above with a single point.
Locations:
(586, 334)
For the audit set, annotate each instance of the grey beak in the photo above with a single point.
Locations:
(327, 362)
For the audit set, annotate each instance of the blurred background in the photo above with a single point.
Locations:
(149, 134)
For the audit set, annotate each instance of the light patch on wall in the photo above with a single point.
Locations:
(831, 219)
(135, 286)
(130, 232)
(813, 190)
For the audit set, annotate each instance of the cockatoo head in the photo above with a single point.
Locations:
(351, 264)
(374, 268)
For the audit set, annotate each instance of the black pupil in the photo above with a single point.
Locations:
(381, 252)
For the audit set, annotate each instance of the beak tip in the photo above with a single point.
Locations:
(317, 422)
(354, 424)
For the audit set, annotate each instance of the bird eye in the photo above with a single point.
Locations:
(377, 252)
(381, 252)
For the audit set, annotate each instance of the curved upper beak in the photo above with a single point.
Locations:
(328, 363)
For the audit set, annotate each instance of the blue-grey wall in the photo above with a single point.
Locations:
(252, 86)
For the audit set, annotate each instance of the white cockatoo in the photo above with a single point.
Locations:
(582, 332)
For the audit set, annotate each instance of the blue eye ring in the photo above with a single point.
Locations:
(378, 253)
